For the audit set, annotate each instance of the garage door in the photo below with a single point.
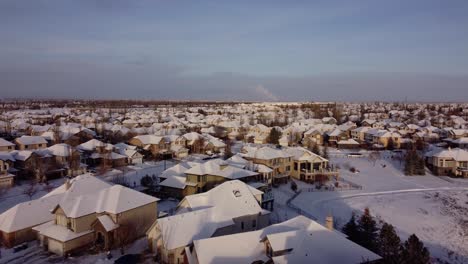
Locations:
(55, 247)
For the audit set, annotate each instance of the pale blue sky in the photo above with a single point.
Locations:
(247, 50)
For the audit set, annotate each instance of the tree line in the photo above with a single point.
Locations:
(384, 241)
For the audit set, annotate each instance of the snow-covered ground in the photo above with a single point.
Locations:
(434, 208)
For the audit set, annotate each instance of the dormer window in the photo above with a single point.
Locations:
(237, 193)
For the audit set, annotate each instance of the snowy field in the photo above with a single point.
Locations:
(434, 208)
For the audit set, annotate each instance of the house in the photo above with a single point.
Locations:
(384, 137)
(337, 135)
(231, 207)
(348, 144)
(109, 218)
(203, 177)
(131, 152)
(213, 144)
(452, 162)
(310, 167)
(297, 240)
(6, 145)
(16, 223)
(358, 134)
(276, 159)
(6, 164)
(258, 134)
(31, 142)
(152, 143)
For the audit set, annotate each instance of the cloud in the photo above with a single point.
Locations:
(265, 94)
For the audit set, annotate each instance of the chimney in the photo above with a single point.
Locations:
(329, 222)
(67, 184)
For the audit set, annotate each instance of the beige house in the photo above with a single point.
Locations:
(6, 145)
(155, 144)
(6, 162)
(310, 167)
(452, 162)
(205, 176)
(110, 218)
(31, 142)
(16, 223)
(231, 207)
(276, 159)
(259, 133)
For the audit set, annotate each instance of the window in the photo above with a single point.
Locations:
(288, 168)
(242, 225)
(254, 223)
(40, 145)
(26, 146)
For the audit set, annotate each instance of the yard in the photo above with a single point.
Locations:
(434, 208)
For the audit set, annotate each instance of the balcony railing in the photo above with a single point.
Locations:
(319, 171)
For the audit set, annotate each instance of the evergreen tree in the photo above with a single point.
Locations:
(315, 148)
(367, 231)
(414, 252)
(274, 136)
(389, 245)
(390, 144)
(351, 229)
(325, 152)
(414, 163)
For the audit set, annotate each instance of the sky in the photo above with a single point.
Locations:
(360, 50)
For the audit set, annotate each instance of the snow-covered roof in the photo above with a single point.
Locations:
(30, 140)
(19, 216)
(91, 145)
(221, 168)
(309, 243)
(209, 211)
(149, 139)
(265, 153)
(5, 143)
(107, 222)
(114, 199)
(58, 232)
(6, 156)
(455, 154)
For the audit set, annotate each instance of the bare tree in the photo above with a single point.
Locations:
(374, 156)
(31, 189)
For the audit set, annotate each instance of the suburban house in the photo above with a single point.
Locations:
(276, 159)
(358, 134)
(231, 207)
(152, 143)
(297, 240)
(205, 176)
(109, 218)
(310, 167)
(31, 142)
(16, 223)
(383, 137)
(6, 145)
(6, 164)
(451, 162)
(258, 134)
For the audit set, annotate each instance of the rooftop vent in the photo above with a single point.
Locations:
(237, 193)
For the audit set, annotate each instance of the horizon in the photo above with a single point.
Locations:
(364, 51)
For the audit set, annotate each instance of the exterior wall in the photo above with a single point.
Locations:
(7, 148)
(83, 223)
(140, 218)
(206, 182)
(32, 146)
(15, 238)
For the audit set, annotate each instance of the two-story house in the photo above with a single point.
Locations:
(232, 207)
(31, 142)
